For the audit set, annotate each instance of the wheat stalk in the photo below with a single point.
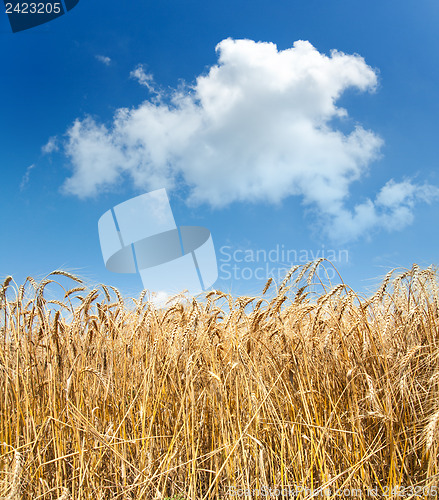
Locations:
(14, 493)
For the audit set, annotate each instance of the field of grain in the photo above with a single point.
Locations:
(301, 391)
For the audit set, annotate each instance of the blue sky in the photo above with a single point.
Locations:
(256, 150)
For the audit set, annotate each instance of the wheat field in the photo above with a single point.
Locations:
(303, 391)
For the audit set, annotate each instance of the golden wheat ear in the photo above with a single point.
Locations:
(308, 387)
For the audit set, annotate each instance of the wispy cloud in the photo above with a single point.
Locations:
(104, 60)
(145, 79)
(261, 125)
(25, 179)
(50, 146)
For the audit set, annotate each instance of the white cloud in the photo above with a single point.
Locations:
(104, 60)
(97, 160)
(162, 299)
(392, 210)
(261, 125)
(51, 146)
(394, 194)
(25, 179)
(141, 76)
(147, 80)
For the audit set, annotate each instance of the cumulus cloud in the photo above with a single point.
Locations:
(261, 125)
(392, 210)
(104, 60)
